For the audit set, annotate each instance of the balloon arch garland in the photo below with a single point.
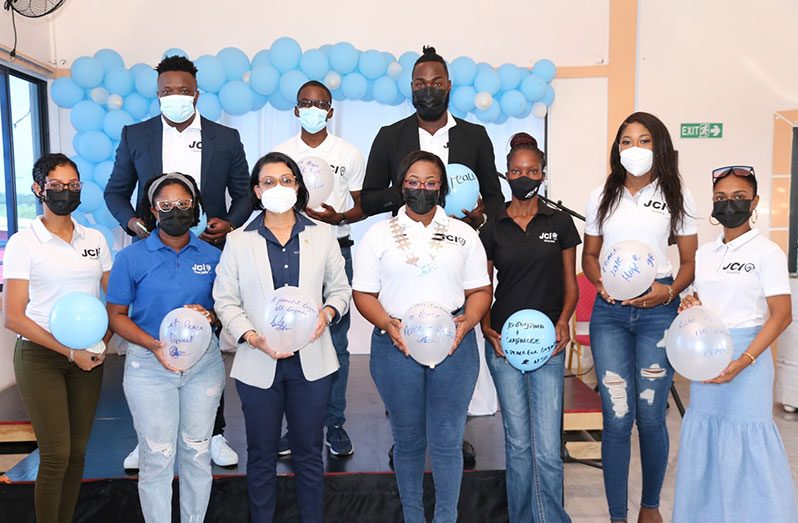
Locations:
(104, 95)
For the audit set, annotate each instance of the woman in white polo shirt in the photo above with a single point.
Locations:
(59, 386)
(422, 255)
(642, 199)
(732, 465)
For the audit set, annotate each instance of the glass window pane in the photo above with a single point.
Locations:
(26, 130)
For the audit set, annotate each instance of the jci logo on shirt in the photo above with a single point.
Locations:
(737, 267)
(548, 237)
(201, 268)
(195, 145)
(450, 238)
(94, 254)
(657, 206)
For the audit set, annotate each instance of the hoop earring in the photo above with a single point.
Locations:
(754, 217)
(716, 222)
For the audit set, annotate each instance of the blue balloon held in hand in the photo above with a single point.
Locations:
(463, 190)
(78, 320)
(528, 339)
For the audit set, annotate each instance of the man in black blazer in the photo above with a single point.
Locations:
(464, 142)
(220, 168)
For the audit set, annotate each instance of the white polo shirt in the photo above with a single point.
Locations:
(53, 267)
(437, 143)
(182, 152)
(347, 164)
(449, 258)
(734, 279)
(643, 217)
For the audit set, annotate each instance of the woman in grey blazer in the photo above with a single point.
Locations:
(282, 247)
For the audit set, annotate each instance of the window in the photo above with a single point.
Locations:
(23, 138)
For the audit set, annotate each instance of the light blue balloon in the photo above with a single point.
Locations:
(136, 105)
(399, 100)
(146, 82)
(280, 103)
(290, 83)
(78, 320)
(509, 76)
(236, 98)
(368, 96)
(528, 339)
(209, 106)
(261, 58)
(264, 79)
(174, 51)
(114, 121)
(91, 197)
(489, 115)
(463, 98)
(259, 101)
(102, 173)
(389, 57)
(285, 54)
(104, 217)
(87, 72)
(344, 58)
(501, 119)
(487, 80)
(87, 116)
(385, 90)
(85, 167)
(80, 218)
(408, 60)
(524, 72)
(76, 142)
(462, 71)
(94, 146)
(463, 189)
(354, 86)
(534, 87)
(527, 110)
(338, 94)
(513, 103)
(109, 59)
(546, 69)
(201, 226)
(548, 98)
(65, 92)
(211, 74)
(139, 67)
(483, 66)
(155, 108)
(119, 81)
(372, 64)
(457, 114)
(235, 63)
(314, 64)
(326, 49)
(404, 82)
(107, 232)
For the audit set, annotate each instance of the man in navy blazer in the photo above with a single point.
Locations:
(192, 143)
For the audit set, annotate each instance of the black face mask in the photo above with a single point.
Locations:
(732, 213)
(63, 202)
(430, 102)
(420, 201)
(524, 188)
(176, 223)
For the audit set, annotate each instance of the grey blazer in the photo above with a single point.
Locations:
(244, 282)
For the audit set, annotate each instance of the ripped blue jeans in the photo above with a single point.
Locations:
(634, 381)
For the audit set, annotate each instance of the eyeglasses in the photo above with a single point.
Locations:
(304, 103)
(736, 170)
(57, 186)
(284, 180)
(183, 204)
(430, 185)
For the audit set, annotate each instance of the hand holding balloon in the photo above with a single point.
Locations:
(476, 216)
(259, 342)
(322, 323)
(731, 371)
(689, 301)
(657, 295)
(603, 292)
(327, 215)
(394, 329)
(563, 336)
(157, 348)
(211, 317)
(461, 328)
(495, 339)
(86, 360)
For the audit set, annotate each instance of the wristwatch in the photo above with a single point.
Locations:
(330, 316)
(343, 220)
(484, 221)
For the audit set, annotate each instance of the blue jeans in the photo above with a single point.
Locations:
(339, 332)
(531, 405)
(304, 404)
(173, 414)
(426, 405)
(634, 377)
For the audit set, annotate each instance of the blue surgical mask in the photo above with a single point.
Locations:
(177, 108)
(312, 119)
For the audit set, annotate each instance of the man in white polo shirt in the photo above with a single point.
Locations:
(342, 207)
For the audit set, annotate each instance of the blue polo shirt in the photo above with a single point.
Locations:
(283, 259)
(153, 279)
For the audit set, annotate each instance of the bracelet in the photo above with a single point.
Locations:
(71, 356)
(753, 360)
(670, 294)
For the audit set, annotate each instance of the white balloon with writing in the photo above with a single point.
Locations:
(628, 269)
(698, 344)
(290, 318)
(187, 335)
(428, 330)
(319, 179)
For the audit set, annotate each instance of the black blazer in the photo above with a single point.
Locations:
(468, 145)
(139, 157)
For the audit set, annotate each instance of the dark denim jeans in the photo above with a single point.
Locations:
(339, 332)
(635, 377)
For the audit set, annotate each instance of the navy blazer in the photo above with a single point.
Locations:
(139, 157)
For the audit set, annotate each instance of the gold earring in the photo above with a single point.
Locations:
(754, 217)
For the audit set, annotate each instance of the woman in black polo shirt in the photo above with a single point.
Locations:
(533, 248)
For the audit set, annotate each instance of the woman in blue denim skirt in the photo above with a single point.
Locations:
(643, 199)
(533, 248)
(423, 255)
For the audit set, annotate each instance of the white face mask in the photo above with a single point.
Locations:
(278, 199)
(637, 161)
(177, 107)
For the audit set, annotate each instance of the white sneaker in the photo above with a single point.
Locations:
(789, 408)
(221, 453)
(132, 460)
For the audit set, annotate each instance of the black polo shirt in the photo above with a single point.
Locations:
(529, 263)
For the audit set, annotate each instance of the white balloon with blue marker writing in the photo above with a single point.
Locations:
(428, 330)
(463, 190)
(628, 269)
(78, 320)
(186, 335)
(289, 319)
(528, 339)
(698, 344)
(319, 180)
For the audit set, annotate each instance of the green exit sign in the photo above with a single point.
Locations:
(702, 130)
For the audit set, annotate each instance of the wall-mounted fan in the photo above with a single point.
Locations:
(29, 9)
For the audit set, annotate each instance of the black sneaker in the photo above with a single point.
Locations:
(469, 454)
(338, 441)
(284, 448)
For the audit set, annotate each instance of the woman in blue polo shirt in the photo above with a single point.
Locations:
(533, 248)
(173, 410)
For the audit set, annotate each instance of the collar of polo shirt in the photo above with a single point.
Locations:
(196, 123)
(45, 235)
(543, 208)
(154, 242)
(737, 242)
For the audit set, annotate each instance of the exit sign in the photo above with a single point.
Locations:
(702, 130)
